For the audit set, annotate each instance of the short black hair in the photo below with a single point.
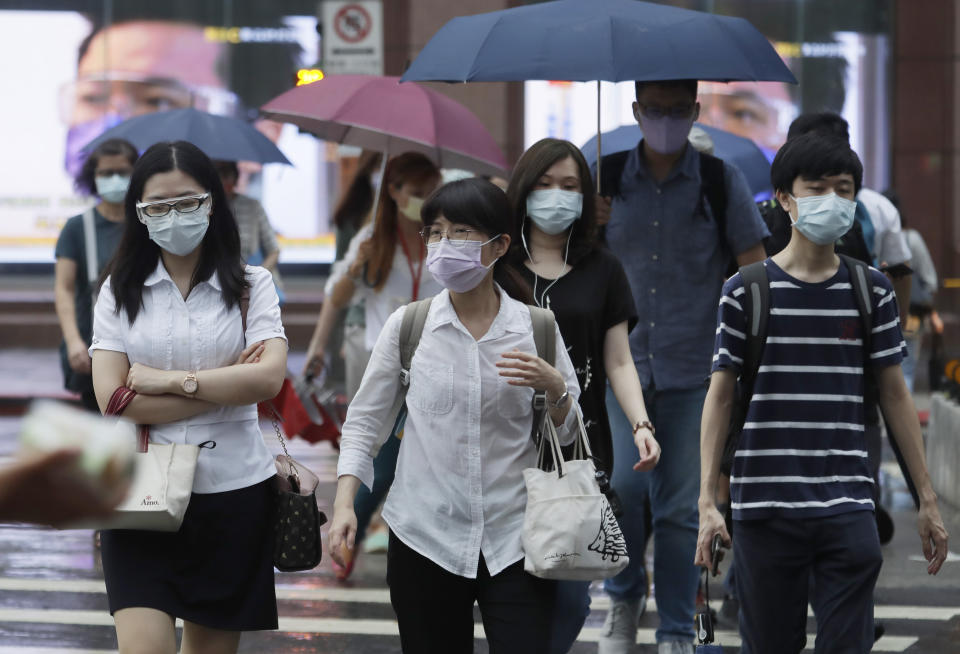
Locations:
(812, 156)
(689, 85)
(826, 123)
(85, 181)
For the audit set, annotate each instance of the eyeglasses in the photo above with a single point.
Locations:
(457, 236)
(160, 208)
(656, 113)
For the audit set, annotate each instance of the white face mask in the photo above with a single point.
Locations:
(179, 233)
(553, 210)
(412, 210)
(113, 188)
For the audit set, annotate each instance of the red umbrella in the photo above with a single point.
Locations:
(379, 113)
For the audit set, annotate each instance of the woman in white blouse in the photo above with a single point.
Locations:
(168, 325)
(456, 507)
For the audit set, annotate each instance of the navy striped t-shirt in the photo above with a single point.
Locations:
(802, 452)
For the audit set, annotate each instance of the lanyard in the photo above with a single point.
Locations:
(415, 271)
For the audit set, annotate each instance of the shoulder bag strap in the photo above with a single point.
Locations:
(411, 328)
(545, 339)
(90, 247)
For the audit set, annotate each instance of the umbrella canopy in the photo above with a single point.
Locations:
(378, 113)
(737, 150)
(220, 137)
(610, 40)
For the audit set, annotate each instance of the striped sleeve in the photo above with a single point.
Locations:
(730, 341)
(887, 346)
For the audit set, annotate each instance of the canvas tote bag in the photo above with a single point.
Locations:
(569, 530)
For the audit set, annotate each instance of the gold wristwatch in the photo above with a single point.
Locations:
(190, 384)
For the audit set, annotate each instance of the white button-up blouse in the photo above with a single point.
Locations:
(199, 333)
(459, 488)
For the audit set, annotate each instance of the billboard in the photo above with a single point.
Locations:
(839, 52)
(82, 67)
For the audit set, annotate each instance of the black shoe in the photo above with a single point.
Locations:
(878, 630)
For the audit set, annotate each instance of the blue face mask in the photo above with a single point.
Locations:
(553, 210)
(823, 218)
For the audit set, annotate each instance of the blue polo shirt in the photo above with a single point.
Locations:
(670, 246)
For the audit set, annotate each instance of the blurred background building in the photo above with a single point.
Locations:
(72, 68)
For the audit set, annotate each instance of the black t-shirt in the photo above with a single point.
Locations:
(587, 301)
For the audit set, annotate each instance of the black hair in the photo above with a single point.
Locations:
(825, 123)
(357, 202)
(894, 198)
(227, 169)
(138, 256)
(85, 181)
(812, 156)
(529, 169)
(480, 204)
(689, 85)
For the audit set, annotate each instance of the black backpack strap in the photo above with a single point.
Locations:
(756, 308)
(863, 291)
(611, 170)
(713, 188)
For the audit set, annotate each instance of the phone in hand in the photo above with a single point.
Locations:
(716, 554)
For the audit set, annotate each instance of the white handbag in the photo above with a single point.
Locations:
(569, 530)
(160, 493)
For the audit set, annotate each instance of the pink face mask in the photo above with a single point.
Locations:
(457, 267)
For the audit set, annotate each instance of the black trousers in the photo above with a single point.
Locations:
(435, 608)
(781, 564)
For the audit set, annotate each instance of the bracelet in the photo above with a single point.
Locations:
(560, 400)
(645, 424)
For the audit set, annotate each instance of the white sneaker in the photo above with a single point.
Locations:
(619, 635)
(675, 647)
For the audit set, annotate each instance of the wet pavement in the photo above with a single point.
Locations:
(52, 599)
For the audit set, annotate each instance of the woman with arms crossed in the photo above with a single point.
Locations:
(168, 325)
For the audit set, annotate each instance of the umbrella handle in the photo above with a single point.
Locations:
(376, 195)
(598, 138)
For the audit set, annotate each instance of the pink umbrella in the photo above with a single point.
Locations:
(379, 113)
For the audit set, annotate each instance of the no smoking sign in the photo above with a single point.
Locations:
(352, 23)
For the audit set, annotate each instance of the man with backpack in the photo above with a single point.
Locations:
(800, 330)
(677, 219)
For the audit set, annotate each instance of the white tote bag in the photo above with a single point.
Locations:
(569, 530)
(162, 484)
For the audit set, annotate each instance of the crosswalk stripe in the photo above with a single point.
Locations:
(370, 627)
(382, 596)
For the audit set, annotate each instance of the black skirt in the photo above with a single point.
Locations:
(217, 571)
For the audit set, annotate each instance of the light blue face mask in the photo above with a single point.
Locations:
(824, 218)
(112, 188)
(553, 210)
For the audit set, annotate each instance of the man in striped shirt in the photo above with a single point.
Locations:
(801, 488)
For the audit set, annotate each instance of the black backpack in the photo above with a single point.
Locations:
(756, 306)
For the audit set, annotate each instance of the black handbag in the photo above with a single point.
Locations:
(297, 518)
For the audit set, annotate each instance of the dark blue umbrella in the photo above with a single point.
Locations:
(220, 137)
(737, 150)
(610, 40)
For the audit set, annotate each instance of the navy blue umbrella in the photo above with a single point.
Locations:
(220, 137)
(610, 40)
(737, 150)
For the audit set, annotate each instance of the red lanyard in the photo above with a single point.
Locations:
(415, 272)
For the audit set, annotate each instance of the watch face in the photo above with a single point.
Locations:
(189, 385)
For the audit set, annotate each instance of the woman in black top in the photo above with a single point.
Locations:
(551, 193)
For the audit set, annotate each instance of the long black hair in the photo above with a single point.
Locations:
(480, 204)
(533, 164)
(138, 256)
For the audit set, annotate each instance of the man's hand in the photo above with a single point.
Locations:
(933, 536)
(603, 209)
(711, 523)
(78, 356)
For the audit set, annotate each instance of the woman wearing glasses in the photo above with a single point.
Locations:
(168, 326)
(456, 507)
(384, 267)
(555, 246)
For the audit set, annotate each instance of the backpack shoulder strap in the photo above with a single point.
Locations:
(545, 338)
(611, 170)
(862, 289)
(713, 186)
(756, 306)
(544, 333)
(411, 328)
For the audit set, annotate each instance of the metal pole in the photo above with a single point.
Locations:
(598, 137)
